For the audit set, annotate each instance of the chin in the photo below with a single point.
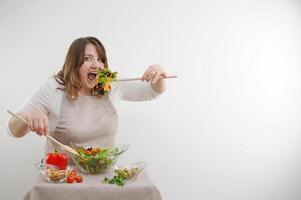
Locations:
(89, 85)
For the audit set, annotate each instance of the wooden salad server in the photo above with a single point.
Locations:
(67, 148)
(139, 78)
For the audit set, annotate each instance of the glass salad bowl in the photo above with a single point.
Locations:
(96, 160)
(131, 171)
(52, 173)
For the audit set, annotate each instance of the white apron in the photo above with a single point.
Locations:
(87, 121)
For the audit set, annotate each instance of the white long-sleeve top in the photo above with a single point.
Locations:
(48, 98)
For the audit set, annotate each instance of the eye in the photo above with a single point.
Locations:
(100, 60)
(88, 58)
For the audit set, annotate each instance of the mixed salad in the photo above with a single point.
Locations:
(95, 160)
(104, 78)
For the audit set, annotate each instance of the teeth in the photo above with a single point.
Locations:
(91, 75)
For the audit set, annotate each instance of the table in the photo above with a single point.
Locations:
(93, 188)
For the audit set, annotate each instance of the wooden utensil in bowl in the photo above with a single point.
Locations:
(67, 148)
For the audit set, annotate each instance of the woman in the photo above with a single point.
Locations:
(65, 108)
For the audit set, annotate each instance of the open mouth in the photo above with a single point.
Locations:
(92, 76)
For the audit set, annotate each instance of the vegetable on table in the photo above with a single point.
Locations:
(121, 175)
(74, 177)
(70, 179)
(57, 159)
(79, 179)
(117, 180)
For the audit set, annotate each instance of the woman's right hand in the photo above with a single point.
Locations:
(37, 122)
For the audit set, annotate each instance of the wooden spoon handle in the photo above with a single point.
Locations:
(67, 148)
(139, 78)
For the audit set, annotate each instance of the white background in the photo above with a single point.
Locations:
(227, 129)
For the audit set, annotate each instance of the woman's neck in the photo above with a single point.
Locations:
(84, 92)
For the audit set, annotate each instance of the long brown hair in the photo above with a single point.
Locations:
(68, 76)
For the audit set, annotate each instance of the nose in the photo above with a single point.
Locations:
(97, 65)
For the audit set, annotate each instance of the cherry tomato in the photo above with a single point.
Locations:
(71, 179)
(79, 179)
(72, 173)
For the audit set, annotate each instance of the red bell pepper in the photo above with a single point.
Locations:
(58, 159)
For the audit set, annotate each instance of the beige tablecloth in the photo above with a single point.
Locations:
(92, 188)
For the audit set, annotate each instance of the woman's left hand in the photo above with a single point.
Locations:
(153, 74)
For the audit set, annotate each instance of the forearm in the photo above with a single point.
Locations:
(159, 86)
(17, 127)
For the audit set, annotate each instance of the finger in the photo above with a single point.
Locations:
(41, 126)
(148, 78)
(156, 78)
(35, 125)
(159, 76)
(38, 133)
(146, 74)
(151, 75)
(46, 126)
(30, 124)
(164, 74)
(46, 131)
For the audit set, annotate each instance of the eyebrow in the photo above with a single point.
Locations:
(89, 55)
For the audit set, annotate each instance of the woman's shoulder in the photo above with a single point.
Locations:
(52, 86)
(51, 81)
